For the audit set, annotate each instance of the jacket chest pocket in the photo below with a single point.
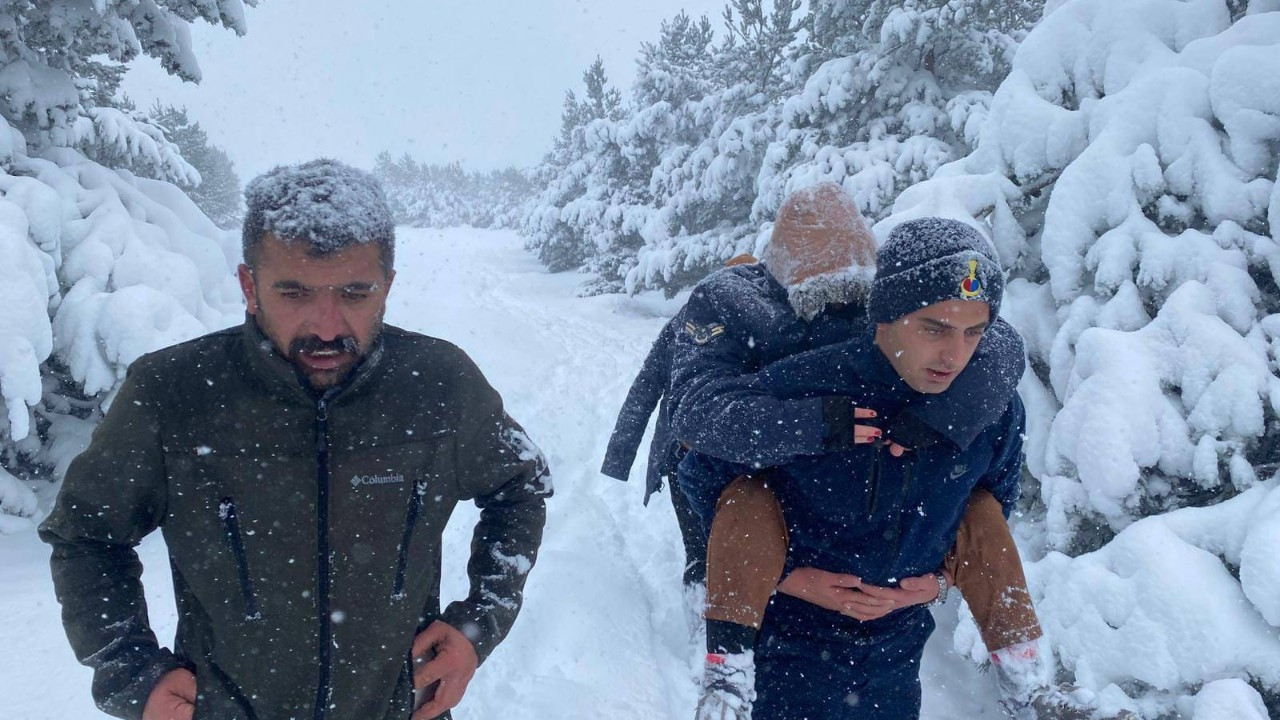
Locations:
(238, 526)
(388, 508)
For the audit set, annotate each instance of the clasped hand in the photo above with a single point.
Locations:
(849, 595)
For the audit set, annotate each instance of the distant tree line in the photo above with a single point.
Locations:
(427, 195)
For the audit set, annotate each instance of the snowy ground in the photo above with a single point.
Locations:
(603, 633)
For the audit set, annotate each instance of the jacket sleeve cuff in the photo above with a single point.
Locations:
(130, 700)
(838, 419)
(616, 467)
(476, 624)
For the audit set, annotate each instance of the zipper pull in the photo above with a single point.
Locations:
(322, 410)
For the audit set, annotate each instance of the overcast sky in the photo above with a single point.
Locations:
(478, 82)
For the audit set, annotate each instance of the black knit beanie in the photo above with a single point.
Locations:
(931, 260)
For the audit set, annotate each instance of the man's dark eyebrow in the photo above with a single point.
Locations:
(944, 324)
(349, 287)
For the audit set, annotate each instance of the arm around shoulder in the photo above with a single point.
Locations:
(719, 407)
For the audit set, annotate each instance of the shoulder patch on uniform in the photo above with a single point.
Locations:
(703, 334)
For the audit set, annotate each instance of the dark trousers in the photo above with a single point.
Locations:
(702, 479)
(694, 537)
(813, 664)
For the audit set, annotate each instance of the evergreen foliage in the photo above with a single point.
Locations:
(425, 195)
(898, 90)
(1127, 174)
(660, 191)
(218, 194)
(101, 265)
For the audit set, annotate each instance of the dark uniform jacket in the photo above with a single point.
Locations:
(739, 321)
(865, 512)
(647, 392)
(304, 532)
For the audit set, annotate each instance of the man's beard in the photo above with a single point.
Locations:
(347, 349)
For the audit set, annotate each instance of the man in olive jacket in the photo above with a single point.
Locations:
(301, 468)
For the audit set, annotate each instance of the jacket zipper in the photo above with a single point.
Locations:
(231, 528)
(322, 556)
(902, 504)
(410, 520)
(873, 483)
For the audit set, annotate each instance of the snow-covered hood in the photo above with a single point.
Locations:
(821, 250)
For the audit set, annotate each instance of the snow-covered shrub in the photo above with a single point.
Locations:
(1127, 174)
(99, 265)
(1173, 607)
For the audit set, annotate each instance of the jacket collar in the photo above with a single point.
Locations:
(282, 378)
(875, 366)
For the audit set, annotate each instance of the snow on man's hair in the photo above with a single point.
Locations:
(324, 203)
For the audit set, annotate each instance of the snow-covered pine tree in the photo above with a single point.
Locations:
(704, 186)
(892, 91)
(618, 210)
(1127, 174)
(757, 43)
(399, 180)
(678, 67)
(218, 195)
(554, 229)
(100, 266)
(502, 197)
(438, 195)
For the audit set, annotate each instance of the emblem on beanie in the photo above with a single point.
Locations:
(971, 287)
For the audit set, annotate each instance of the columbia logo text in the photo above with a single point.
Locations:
(358, 480)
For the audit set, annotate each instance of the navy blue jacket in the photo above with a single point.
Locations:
(863, 511)
(646, 393)
(738, 320)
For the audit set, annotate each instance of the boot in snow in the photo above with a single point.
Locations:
(728, 687)
(1024, 675)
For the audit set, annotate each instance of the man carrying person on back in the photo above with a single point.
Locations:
(864, 512)
(302, 468)
(808, 294)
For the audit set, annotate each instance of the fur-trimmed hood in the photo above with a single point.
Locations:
(821, 250)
